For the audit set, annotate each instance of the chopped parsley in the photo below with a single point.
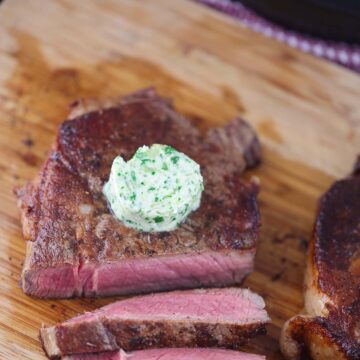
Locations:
(175, 159)
(169, 150)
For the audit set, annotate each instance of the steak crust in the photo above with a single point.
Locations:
(331, 328)
(76, 247)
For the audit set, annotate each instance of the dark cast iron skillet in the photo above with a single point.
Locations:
(330, 19)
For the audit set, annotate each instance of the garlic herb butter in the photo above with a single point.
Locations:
(155, 190)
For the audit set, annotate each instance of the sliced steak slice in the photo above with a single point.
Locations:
(331, 327)
(76, 247)
(193, 318)
(169, 354)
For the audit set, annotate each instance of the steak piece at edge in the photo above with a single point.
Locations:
(76, 247)
(192, 318)
(169, 354)
(331, 327)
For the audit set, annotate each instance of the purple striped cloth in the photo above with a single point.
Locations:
(338, 52)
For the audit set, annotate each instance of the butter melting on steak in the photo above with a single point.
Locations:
(330, 329)
(192, 318)
(76, 247)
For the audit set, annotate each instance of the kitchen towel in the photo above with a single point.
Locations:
(341, 53)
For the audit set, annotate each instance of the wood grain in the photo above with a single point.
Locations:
(306, 112)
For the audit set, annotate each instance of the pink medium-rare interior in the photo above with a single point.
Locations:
(170, 354)
(51, 281)
(229, 305)
(113, 355)
(166, 273)
(140, 275)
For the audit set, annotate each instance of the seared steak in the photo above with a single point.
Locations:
(76, 247)
(169, 354)
(331, 328)
(192, 318)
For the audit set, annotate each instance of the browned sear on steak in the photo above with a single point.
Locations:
(76, 247)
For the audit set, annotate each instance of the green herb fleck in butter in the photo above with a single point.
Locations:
(156, 190)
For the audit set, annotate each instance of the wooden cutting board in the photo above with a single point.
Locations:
(306, 112)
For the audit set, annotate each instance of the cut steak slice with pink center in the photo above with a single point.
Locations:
(193, 318)
(169, 354)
